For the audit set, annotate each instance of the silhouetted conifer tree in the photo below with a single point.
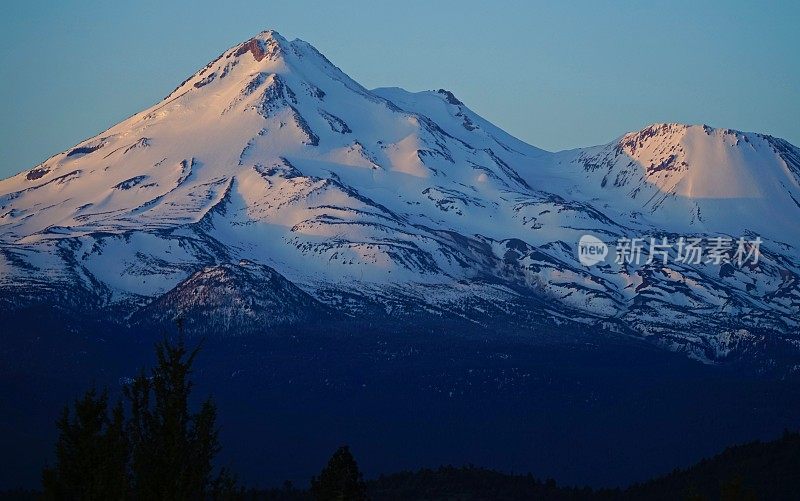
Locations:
(172, 448)
(162, 452)
(91, 452)
(340, 480)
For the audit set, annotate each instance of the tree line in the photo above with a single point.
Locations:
(150, 445)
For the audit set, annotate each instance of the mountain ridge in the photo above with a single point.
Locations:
(403, 201)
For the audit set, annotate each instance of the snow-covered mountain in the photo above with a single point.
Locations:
(270, 187)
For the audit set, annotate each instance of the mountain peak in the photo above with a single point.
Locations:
(450, 97)
(676, 130)
(273, 157)
(268, 43)
(670, 140)
(670, 170)
(270, 34)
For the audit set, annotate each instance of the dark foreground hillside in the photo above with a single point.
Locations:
(757, 471)
(753, 471)
(305, 393)
(590, 411)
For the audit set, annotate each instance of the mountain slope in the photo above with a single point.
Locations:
(696, 177)
(239, 299)
(407, 204)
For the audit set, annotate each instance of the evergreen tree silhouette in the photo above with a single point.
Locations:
(163, 451)
(340, 480)
(171, 448)
(91, 452)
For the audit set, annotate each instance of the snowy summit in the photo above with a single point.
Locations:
(272, 171)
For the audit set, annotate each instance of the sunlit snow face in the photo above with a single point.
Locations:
(273, 155)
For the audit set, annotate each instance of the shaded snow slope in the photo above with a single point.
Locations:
(399, 203)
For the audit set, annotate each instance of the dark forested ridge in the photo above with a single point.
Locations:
(462, 374)
(753, 471)
(757, 470)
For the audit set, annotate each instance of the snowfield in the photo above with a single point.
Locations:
(278, 187)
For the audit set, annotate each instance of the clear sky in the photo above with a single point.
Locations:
(556, 74)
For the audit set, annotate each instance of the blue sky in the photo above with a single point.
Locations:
(557, 75)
